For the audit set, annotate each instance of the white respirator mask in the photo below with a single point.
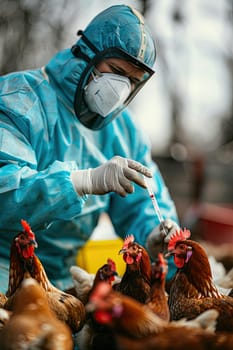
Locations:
(106, 92)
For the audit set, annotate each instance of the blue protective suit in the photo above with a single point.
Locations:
(41, 142)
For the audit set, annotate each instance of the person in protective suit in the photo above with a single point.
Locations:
(70, 149)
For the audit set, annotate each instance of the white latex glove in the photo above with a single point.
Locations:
(157, 240)
(116, 175)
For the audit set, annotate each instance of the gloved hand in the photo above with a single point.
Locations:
(116, 175)
(157, 240)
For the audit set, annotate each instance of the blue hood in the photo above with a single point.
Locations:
(117, 28)
(123, 27)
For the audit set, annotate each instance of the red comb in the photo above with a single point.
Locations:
(128, 239)
(112, 264)
(27, 229)
(180, 235)
(25, 225)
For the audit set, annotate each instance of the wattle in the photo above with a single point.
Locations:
(128, 259)
(179, 262)
(28, 252)
(102, 317)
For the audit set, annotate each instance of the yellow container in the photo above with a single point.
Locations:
(96, 252)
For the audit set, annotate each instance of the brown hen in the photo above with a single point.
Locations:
(159, 299)
(136, 280)
(192, 290)
(24, 263)
(32, 324)
(106, 273)
(135, 326)
(93, 334)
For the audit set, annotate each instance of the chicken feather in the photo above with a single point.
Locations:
(136, 280)
(135, 326)
(33, 325)
(24, 264)
(193, 290)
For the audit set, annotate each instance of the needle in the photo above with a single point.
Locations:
(149, 182)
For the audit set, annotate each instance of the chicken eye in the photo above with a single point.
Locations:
(20, 238)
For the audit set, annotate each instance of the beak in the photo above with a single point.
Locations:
(169, 253)
(122, 251)
(33, 242)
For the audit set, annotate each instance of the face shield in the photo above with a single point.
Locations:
(93, 119)
(117, 32)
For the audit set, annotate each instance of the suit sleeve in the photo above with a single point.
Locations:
(40, 196)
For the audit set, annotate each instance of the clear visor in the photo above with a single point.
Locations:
(91, 119)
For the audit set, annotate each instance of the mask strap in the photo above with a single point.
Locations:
(96, 74)
(142, 48)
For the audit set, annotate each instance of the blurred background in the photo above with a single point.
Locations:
(186, 109)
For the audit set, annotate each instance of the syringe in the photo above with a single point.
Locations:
(148, 182)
